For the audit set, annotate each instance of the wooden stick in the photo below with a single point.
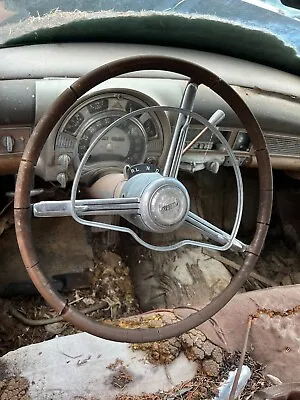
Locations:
(242, 359)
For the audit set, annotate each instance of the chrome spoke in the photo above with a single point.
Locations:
(180, 132)
(213, 232)
(118, 206)
(224, 240)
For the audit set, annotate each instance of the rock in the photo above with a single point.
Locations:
(217, 354)
(56, 328)
(287, 280)
(56, 375)
(199, 353)
(210, 367)
(186, 276)
(208, 347)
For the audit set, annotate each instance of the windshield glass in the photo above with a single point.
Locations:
(18, 17)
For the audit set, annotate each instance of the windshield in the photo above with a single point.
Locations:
(19, 18)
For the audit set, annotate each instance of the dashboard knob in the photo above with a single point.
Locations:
(62, 179)
(64, 160)
(213, 167)
(8, 143)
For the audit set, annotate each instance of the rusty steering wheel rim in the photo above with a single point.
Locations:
(23, 212)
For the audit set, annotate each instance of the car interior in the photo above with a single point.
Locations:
(166, 134)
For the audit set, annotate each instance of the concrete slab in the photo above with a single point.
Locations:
(68, 367)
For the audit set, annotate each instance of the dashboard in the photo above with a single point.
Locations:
(31, 77)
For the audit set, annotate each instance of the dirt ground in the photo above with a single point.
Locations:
(14, 389)
(203, 387)
(112, 284)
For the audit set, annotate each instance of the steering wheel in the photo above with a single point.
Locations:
(147, 199)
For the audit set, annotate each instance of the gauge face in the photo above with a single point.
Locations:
(124, 143)
(150, 128)
(74, 123)
(98, 105)
(129, 142)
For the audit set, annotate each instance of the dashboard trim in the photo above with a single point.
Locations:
(53, 61)
(25, 94)
(9, 164)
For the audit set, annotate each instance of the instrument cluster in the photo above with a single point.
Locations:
(132, 141)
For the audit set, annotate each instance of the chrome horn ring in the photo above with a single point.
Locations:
(229, 239)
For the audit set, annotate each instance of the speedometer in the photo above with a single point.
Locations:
(132, 141)
(124, 143)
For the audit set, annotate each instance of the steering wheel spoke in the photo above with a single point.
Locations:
(118, 206)
(213, 232)
(180, 132)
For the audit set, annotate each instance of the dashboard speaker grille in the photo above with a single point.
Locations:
(283, 145)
